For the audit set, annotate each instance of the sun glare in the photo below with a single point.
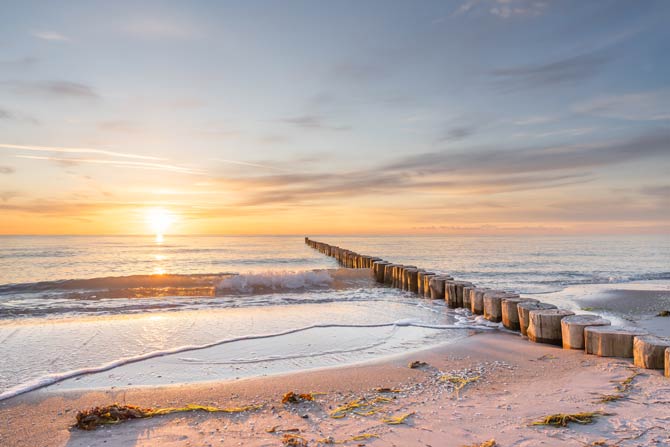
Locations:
(159, 220)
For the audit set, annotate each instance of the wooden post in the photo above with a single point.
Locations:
(667, 362)
(388, 274)
(404, 278)
(421, 281)
(649, 351)
(477, 301)
(510, 313)
(454, 293)
(378, 269)
(611, 341)
(436, 285)
(572, 329)
(412, 277)
(467, 298)
(545, 325)
(524, 309)
(493, 304)
(426, 284)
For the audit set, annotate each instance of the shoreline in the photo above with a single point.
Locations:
(520, 382)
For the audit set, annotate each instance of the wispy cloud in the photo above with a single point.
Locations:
(643, 106)
(115, 163)
(568, 70)
(10, 115)
(160, 28)
(246, 163)
(50, 35)
(7, 170)
(20, 63)
(533, 120)
(77, 150)
(574, 132)
(505, 9)
(63, 89)
(312, 122)
(458, 133)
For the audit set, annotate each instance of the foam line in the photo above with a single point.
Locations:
(59, 377)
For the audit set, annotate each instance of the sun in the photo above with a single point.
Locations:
(159, 221)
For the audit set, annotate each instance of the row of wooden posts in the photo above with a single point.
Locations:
(540, 322)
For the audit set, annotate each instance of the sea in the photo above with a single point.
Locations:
(108, 312)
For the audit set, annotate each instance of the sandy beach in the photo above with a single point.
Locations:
(516, 383)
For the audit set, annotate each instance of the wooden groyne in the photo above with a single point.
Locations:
(539, 322)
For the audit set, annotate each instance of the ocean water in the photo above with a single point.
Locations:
(125, 311)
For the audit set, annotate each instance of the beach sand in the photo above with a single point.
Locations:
(520, 382)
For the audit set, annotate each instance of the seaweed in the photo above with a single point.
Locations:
(361, 437)
(459, 382)
(626, 385)
(360, 407)
(489, 443)
(295, 398)
(563, 419)
(397, 420)
(117, 413)
(291, 440)
(416, 364)
(610, 398)
(663, 313)
(623, 387)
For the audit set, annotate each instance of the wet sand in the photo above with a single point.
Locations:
(519, 383)
(637, 307)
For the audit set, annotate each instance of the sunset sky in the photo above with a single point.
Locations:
(416, 117)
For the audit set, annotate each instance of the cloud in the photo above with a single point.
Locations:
(533, 120)
(6, 196)
(542, 158)
(121, 126)
(504, 9)
(16, 116)
(21, 63)
(160, 28)
(661, 191)
(114, 163)
(644, 106)
(574, 132)
(458, 133)
(568, 70)
(7, 170)
(61, 89)
(77, 150)
(314, 122)
(50, 35)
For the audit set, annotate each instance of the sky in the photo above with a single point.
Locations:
(348, 117)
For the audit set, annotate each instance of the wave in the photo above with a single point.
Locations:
(52, 379)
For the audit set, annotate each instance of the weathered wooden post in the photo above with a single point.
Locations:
(545, 325)
(493, 304)
(572, 329)
(611, 341)
(524, 309)
(388, 274)
(421, 281)
(426, 284)
(412, 280)
(378, 269)
(404, 285)
(436, 285)
(396, 275)
(467, 296)
(649, 351)
(477, 301)
(510, 313)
